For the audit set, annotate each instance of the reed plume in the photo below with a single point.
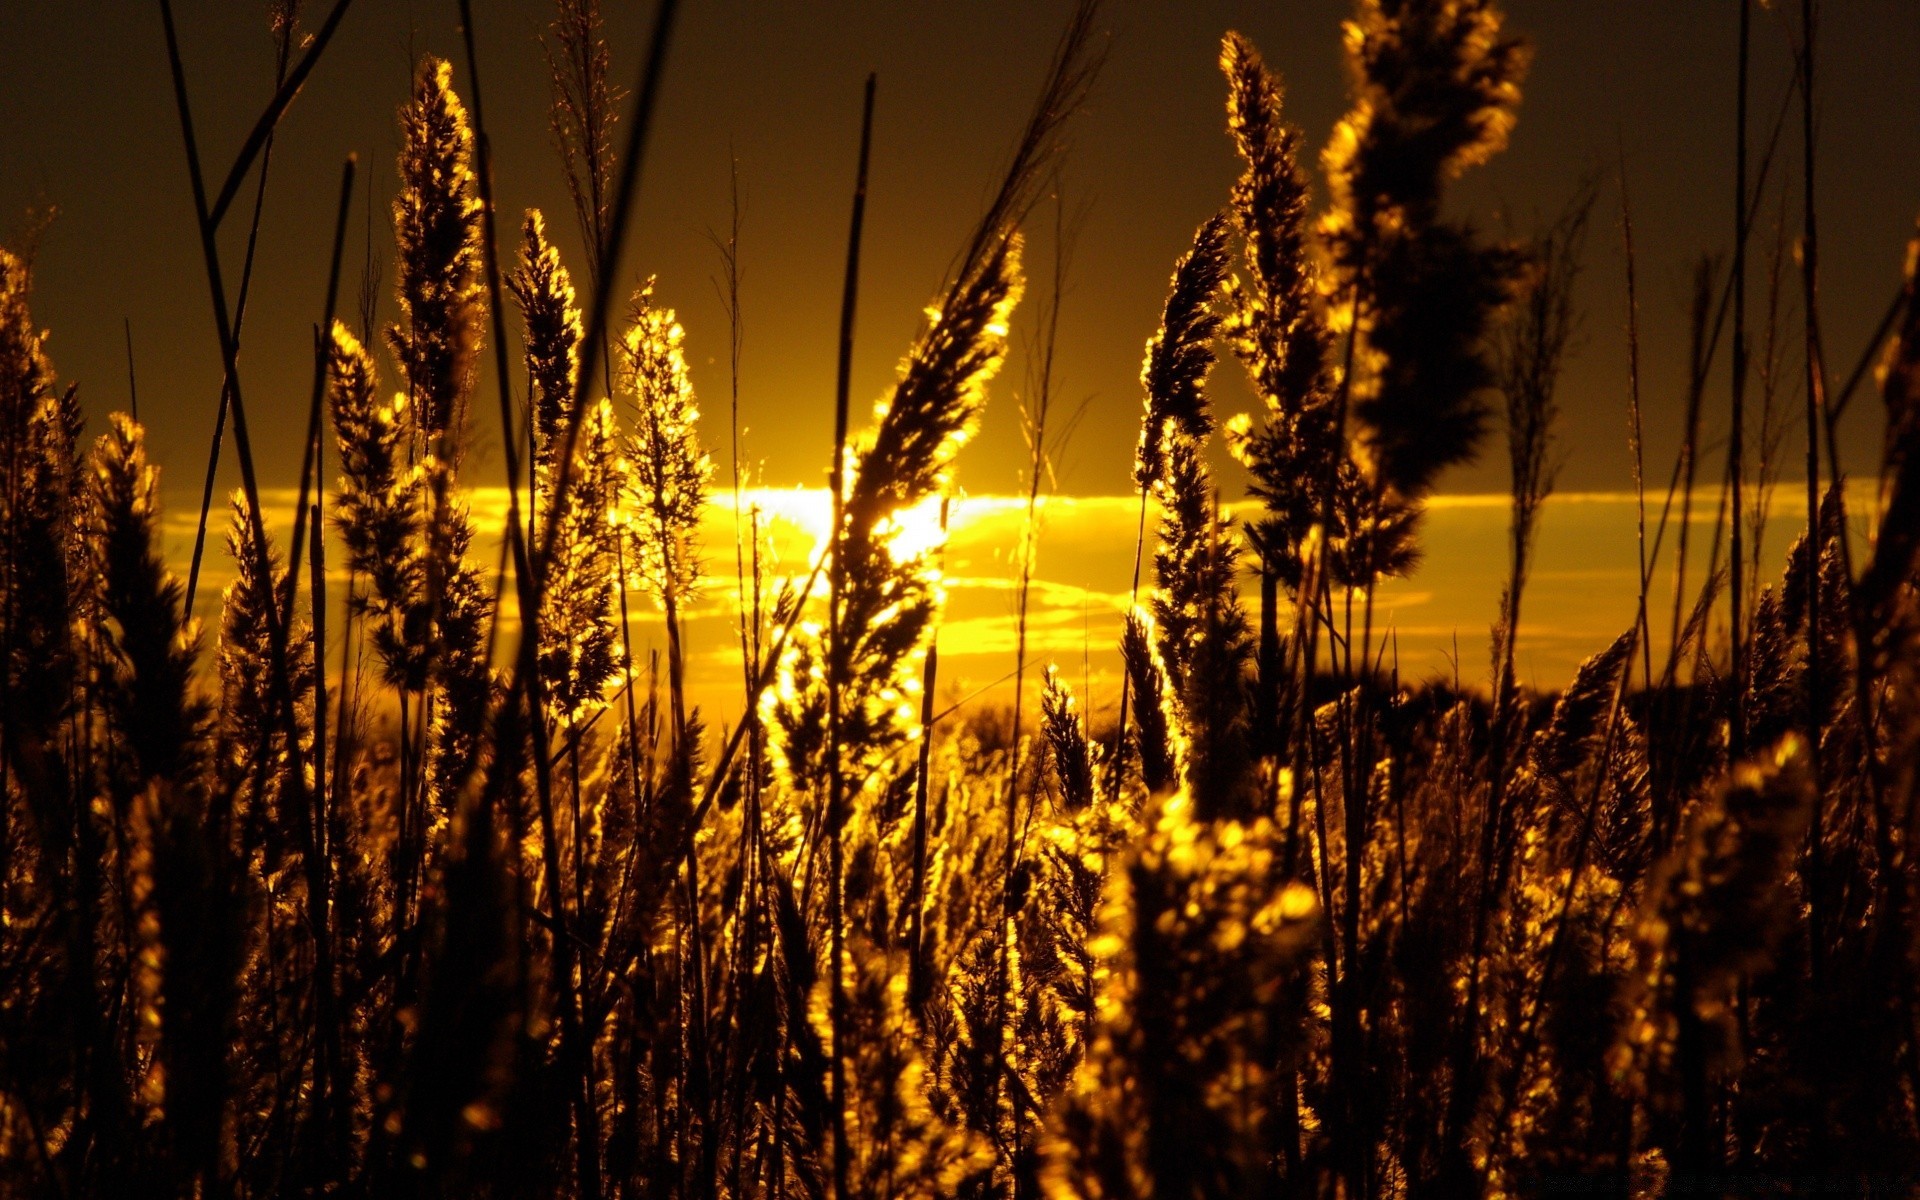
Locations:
(583, 111)
(149, 650)
(544, 291)
(377, 505)
(1069, 753)
(1198, 935)
(254, 747)
(1176, 418)
(1715, 910)
(1275, 324)
(436, 222)
(668, 484)
(438, 277)
(1436, 85)
(40, 572)
(1531, 348)
(152, 645)
(1203, 642)
(1145, 704)
(1180, 356)
(891, 596)
(577, 654)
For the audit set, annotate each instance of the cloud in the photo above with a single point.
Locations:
(1581, 593)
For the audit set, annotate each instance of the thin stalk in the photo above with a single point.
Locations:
(1869, 354)
(624, 196)
(577, 1052)
(1036, 465)
(729, 289)
(1703, 363)
(312, 461)
(320, 861)
(133, 383)
(261, 135)
(239, 319)
(918, 982)
(626, 664)
(1634, 435)
(1736, 449)
(1118, 775)
(1772, 421)
(1815, 402)
(316, 853)
(1689, 459)
(842, 1152)
(343, 732)
(369, 297)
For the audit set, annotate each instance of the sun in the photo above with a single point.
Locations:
(911, 532)
(798, 521)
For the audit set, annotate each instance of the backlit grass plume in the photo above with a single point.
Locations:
(1199, 933)
(544, 291)
(54, 926)
(462, 602)
(1201, 638)
(667, 481)
(584, 109)
(40, 479)
(1177, 417)
(1275, 324)
(1180, 355)
(1146, 703)
(437, 225)
(887, 593)
(253, 742)
(1203, 641)
(1274, 321)
(151, 644)
(436, 221)
(1436, 83)
(377, 506)
(1069, 754)
(149, 649)
(670, 470)
(577, 654)
(901, 1146)
(891, 592)
(1716, 909)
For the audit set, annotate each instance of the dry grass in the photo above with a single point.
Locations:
(430, 920)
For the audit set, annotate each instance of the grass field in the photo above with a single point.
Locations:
(622, 829)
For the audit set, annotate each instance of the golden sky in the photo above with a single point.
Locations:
(775, 85)
(1581, 595)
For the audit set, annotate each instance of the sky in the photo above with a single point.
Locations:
(1436, 624)
(89, 126)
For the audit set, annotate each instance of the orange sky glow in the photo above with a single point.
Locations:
(1435, 623)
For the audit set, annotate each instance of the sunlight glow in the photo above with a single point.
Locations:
(914, 531)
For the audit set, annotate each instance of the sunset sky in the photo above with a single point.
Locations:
(1434, 625)
(776, 88)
